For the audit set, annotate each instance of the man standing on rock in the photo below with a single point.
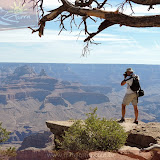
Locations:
(130, 96)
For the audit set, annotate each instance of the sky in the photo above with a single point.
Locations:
(117, 45)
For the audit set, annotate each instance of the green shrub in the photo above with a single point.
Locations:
(94, 134)
(8, 152)
(4, 134)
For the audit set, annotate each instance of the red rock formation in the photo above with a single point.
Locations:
(83, 155)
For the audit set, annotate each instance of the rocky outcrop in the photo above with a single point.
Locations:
(43, 73)
(56, 101)
(3, 99)
(123, 155)
(38, 140)
(97, 89)
(84, 155)
(144, 134)
(58, 128)
(23, 95)
(18, 135)
(140, 135)
(24, 70)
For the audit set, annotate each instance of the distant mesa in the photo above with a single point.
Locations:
(24, 70)
(89, 98)
(56, 101)
(43, 73)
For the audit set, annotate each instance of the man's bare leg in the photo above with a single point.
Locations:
(123, 113)
(123, 110)
(136, 112)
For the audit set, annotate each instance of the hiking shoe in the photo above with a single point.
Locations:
(122, 120)
(136, 122)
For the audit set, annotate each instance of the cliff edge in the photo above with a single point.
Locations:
(139, 136)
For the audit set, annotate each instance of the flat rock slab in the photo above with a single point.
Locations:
(129, 125)
(60, 126)
(149, 129)
(60, 123)
(144, 134)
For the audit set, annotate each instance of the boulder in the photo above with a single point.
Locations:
(38, 140)
(144, 134)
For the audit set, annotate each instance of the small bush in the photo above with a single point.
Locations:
(8, 152)
(94, 134)
(4, 134)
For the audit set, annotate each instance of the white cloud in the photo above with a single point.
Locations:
(156, 45)
(24, 35)
(51, 3)
(70, 52)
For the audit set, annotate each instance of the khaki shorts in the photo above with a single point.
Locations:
(130, 98)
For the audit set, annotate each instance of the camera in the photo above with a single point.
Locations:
(125, 74)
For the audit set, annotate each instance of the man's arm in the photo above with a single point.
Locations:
(126, 80)
(123, 83)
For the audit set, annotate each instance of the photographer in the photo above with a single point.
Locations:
(130, 96)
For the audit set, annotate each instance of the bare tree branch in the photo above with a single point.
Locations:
(110, 17)
(84, 9)
(48, 17)
(63, 17)
(102, 4)
(95, 8)
(116, 18)
(105, 24)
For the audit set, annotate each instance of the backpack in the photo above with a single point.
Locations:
(135, 85)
